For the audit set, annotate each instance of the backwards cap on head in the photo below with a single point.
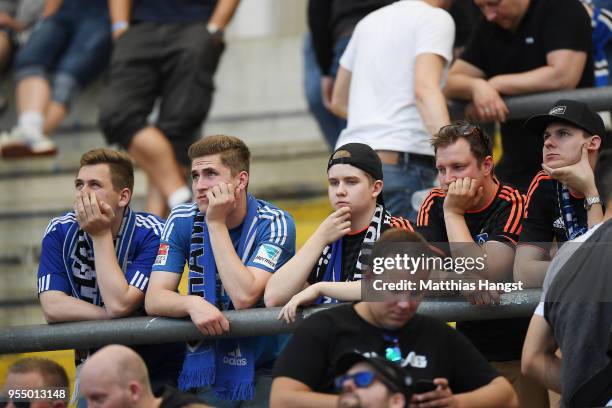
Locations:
(361, 156)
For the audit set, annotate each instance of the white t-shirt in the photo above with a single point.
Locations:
(562, 256)
(382, 111)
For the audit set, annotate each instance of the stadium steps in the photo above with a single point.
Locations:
(259, 98)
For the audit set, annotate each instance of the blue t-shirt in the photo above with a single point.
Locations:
(274, 244)
(75, 9)
(78, 277)
(172, 11)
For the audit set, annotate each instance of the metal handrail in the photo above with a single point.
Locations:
(250, 322)
(523, 106)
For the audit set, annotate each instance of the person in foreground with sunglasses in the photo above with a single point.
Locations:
(36, 377)
(368, 380)
(433, 351)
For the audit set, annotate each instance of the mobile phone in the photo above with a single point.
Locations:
(423, 386)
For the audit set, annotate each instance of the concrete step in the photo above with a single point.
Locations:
(47, 185)
(21, 315)
(18, 282)
(267, 135)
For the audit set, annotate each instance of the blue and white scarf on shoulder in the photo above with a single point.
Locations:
(78, 257)
(226, 365)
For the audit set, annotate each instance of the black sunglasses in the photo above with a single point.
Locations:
(466, 129)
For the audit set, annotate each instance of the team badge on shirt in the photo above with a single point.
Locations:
(162, 254)
(482, 239)
(268, 255)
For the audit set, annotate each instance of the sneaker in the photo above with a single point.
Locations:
(15, 145)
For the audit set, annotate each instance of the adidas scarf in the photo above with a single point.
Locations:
(227, 365)
(329, 264)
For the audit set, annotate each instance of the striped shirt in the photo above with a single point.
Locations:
(53, 271)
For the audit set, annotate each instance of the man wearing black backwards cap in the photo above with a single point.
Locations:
(562, 200)
(430, 349)
(367, 380)
(330, 264)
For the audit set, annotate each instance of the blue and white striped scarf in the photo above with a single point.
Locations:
(79, 257)
(227, 365)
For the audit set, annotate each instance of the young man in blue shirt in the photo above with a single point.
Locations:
(96, 260)
(232, 243)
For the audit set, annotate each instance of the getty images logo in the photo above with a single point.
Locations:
(234, 358)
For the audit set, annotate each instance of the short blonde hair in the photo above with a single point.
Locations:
(233, 152)
(119, 164)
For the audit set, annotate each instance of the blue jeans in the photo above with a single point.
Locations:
(404, 179)
(76, 51)
(330, 125)
(263, 384)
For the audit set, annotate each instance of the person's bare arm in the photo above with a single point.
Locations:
(498, 393)
(244, 285)
(120, 12)
(287, 392)
(530, 265)
(60, 307)
(430, 100)
(51, 7)
(342, 291)
(223, 13)
(340, 96)
(467, 82)
(461, 79)
(539, 360)
(120, 299)
(163, 300)
(462, 195)
(291, 278)
(563, 71)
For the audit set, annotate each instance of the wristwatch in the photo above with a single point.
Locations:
(215, 30)
(590, 201)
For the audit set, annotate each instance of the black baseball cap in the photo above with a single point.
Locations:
(569, 111)
(359, 155)
(391, 372)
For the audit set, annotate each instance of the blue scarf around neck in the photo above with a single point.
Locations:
(227, 365)
(570, 219)
(78, 240)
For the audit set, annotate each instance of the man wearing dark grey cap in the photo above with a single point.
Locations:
(367, 380)
(330, 264)
(562, 200)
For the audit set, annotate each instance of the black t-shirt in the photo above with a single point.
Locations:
(165, 11)
(548, 25)
(429, 349)
(352, 245)
(500, 220)
(544, 218)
